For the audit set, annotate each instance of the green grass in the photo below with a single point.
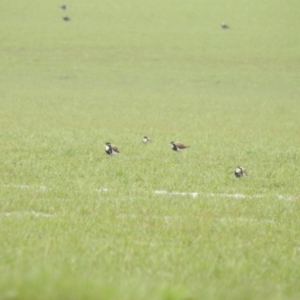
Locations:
(78, 224)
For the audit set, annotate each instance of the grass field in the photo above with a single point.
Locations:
(149, 223)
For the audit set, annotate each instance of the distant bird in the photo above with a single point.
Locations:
(66, 18)
(240, 171)
(176, 146)
(111, 149)
(63, 6)
(224, 26)
(146, 139)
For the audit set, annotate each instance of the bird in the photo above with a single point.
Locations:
(111, 149)
(240, 171)
(224, 26)
(63, 6)
(66, 18)
(176, 146)
(146, 139)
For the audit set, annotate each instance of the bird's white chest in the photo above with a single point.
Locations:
(238, 170)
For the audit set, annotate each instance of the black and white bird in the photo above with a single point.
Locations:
(240, 171)
(146, 139)
(111, 149)
(177, 146)
(66, 18)
(224, 26)
(63, 6)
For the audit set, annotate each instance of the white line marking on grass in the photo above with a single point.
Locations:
(236, 196)
(102, 190)
(26, 213)
(163, 192)
(160, 192)
(286, 197)
(196, 194)
(224, 195)
(193, 194)
(241, 219)
(17, 186)
(166, 217)
(26, 187)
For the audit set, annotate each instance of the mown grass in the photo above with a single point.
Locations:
(76, 223)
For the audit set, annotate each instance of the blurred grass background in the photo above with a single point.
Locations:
(116, 72)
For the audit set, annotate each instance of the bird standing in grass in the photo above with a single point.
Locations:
(66, 18)
(240, 171)
(146, 139)
(224, 26)
(63, 6)
(111, 149)
(177, 146)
